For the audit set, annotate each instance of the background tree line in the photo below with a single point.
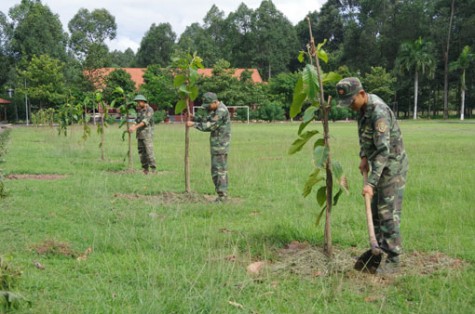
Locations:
(416, 54)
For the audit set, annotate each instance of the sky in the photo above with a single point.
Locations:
(134, 17)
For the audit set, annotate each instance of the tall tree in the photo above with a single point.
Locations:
(463, 62)
(89, 31)
(42, 81)
(418, 57)
(5, 51)
(241, 37)
(157, 46)
(118, 79)
(277, 40)
(123, 59)
(37, 31)
(158, 87)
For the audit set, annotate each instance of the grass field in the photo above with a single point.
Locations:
(90, 236)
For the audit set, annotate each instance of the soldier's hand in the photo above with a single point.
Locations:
(368, 189)
(364, 166)
(189, 124)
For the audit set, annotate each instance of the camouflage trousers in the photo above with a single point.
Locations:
(147, 157)
(219, 173)
(386, 207)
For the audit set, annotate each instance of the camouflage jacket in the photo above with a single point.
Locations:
(146, 116)
(380, 140)
(217, 122)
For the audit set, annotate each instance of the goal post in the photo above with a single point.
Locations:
(236, 107)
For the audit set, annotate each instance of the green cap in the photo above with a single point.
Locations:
(346, 89)
(140, 97)
(208, 99)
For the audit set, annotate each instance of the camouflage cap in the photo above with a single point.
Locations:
(140, 97)
(346, 89)
(208, 99)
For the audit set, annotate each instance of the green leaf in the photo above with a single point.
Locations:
(322, 195)
(180, 106)
(309, 114)
(179, 80)
(319, 217)
(331, 77)
(119, 90)
(298, 98)
(302, 127)
(337, 170)
(319, 142)
(301, 141)
(322, 55)
(301, 56)
(310, 82)
(313, 179)
(183, 89)
(337, 197)
(194, 76)
(320, 155)
(194, 92)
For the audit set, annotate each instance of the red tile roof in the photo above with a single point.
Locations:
(136, 74)
(4, 101)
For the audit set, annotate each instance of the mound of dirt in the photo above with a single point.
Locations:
(174, 198)
(35, 176)
(304, 260)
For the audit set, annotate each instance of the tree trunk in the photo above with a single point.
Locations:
(446, 64)
(416, 87)
(462, 107)
(328, 247)
(129, 153)
(187, 150)
(102, 136)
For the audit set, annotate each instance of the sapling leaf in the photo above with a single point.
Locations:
(337, 169)
(337, 197)
(180, 106)
(319, 142)
(301, 141)
(320, 156)
(298, 98)
(320, 215)
(309, 114)
(322, 195)
(194, 92)
(179, 80)
(313, 179)
(303, 126)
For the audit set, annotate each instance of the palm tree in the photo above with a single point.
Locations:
(462, 63)
(416, 56)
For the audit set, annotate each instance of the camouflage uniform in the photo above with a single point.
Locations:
(218, 122)
(381, 143)
(145, 138)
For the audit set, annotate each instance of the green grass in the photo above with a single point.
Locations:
(151, 256)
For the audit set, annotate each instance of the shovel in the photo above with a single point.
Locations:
(369, 261)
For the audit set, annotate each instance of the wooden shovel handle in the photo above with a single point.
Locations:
(369, 220)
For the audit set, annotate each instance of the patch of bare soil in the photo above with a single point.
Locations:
(52, 247)
(35, 176)
(304, 260)
(136, 171)
(175, 198)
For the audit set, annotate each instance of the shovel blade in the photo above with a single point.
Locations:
(368, 262)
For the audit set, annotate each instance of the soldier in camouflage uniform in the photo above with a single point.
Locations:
(384, 159)
(217, 122)
(144, 128)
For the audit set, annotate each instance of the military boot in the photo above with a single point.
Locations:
(389, 266)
